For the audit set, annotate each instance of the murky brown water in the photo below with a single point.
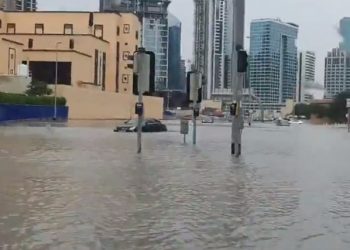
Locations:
(85, 188)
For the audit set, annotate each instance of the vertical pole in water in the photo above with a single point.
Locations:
(194, 120)
(349, 120)
(139, 125)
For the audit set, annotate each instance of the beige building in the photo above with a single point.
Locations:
(92, 49)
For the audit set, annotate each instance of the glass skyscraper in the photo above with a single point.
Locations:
(174, 54)
(273, 60)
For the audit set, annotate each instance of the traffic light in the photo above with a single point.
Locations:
(152, 74)
(194, 87)
(242, 63)
(144, 71)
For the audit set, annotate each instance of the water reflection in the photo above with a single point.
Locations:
(82, 188)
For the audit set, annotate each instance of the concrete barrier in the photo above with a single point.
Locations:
(12, 112)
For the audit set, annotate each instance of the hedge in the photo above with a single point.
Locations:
(6, 98)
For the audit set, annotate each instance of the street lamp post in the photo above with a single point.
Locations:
(56, 81)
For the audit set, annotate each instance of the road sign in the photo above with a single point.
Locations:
(184, 127)
(348, 103)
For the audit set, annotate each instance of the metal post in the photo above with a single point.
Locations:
(139, 126)
(237, 78)
(194, 121)
(349, 120)
(56, 82)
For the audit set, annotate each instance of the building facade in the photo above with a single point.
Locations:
(213, 53)
(92, 53)
(344, 31)
(154, 32)
(18, 5)
(92, 48)
(337, 72)
(306, 73)
(273, 60)
(174, 54)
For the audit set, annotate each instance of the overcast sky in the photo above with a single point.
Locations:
(318, 20)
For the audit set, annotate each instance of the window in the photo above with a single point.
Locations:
(126, 28)
(98, 31)
(30, 43)
(125, 78)
(68, 29)
(104, 59)
(0, 24)
(39, 28)
(126, 55)
(96, 68)
(118, 30)
(71, 43)
(11, 28)
(137, 35)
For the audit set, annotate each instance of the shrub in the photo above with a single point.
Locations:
(38, 88)
(6, 98)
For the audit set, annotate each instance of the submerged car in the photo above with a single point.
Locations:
(208, 119)
(148, 125)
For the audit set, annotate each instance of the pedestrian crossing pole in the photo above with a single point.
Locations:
(239, 68)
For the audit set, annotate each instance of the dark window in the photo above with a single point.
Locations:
(39, 28)
(11, 28)
(126, 44)
(30, 43)
(45, 71)
(0, 24)
(117, 69)
(98, 31)
(68, 29)
(71, 43)
(136, 48)
(137, 35)
(126, 28)
(104, 59)
(96, 67)
(118, 30)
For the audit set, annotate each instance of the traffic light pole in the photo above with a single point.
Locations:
(139, 125)
(194, 121)
(239, 66)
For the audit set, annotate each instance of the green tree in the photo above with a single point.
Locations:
(337, 109)
(38, 88)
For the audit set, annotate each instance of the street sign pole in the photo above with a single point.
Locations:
(142, 68)
(239, 67)
(139, 124)
(348, 107)
(194, 121)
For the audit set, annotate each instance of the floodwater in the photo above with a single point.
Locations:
(85, 188)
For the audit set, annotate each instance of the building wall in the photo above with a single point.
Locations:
(9, 65)
(105, 105)
(82, 56)
(337, 72)
(174, 55)
(273, 60)
(122, 29)
(306, 73)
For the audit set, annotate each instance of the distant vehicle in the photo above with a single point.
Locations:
(148, 125)
(295, 122)
(282, 123)
(208, 119)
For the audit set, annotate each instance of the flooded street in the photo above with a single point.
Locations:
(85, 188)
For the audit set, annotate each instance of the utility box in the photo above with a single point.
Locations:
(184, 127)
